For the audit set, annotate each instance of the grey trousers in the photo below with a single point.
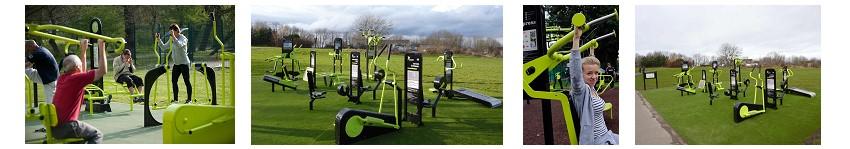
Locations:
(78, 129)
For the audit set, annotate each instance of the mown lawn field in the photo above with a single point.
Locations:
(283, 117)
(697, 122)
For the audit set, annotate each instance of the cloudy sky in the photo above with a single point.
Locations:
(758, 30)
(410, 21)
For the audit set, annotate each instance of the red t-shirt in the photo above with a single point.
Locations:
(69, 94)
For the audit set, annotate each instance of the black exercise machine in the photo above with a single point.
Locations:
(355, 87)
(311, 80)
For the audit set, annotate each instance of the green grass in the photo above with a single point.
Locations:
(283, 117)
(697, 122)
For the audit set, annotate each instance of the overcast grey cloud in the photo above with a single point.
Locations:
(758, 30)
(409, 21)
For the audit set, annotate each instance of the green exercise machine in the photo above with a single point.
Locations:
(331, 79)
(151, 78)
(744, 110)
(282, 74)
(205, 124)
(684, 84)
(538, 59)
(352, 125)
(95, 96)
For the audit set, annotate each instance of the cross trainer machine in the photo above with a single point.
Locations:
(352, 125)
(743, 110)
(538, 59)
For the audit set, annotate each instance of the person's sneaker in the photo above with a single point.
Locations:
(174, 102)
(41, 130)
(138, 99)
(188, 101)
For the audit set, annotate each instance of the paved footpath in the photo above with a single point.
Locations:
(650, 129)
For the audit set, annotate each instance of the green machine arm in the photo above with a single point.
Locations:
(535, 68)
(38, 30)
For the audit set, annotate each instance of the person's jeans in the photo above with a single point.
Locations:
(176, 72)
(78, 129)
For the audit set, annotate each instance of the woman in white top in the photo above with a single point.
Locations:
(124, 68)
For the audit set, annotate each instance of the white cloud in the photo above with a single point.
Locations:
(479, 21)
(758, 30)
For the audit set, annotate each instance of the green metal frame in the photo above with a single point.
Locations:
(533, 69)
(38, 30)
(93, 93)
(29, 99)
(686, 84)
(49, 120)
(205, 124)
(373, 42)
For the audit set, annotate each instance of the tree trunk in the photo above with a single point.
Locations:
(130, 29)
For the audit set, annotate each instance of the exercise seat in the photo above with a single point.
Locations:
(96, 94)
(49, 120)
(274, 80)
(314, 94)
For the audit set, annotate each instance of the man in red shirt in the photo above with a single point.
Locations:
(73, 78)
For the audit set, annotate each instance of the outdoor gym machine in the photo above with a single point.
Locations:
(94, 92)
(449, 65)
(163, 67)
(353, 125)
(715, 85)
(743, 110)
(381, 74)
(205, 124)
(281, 75)
(373, 42)
(355, 87)
(736, 80)
(30, 98)
(538, 60)
(311, 79)
(685, 85)
(786, 88)
(331, 79)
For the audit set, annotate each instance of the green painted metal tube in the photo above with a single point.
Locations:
(35, 30)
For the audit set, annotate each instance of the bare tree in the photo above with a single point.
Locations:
(727, 52)
(373, 23)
